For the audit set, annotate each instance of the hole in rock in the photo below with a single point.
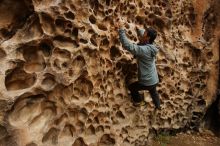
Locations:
(197, 114)
(102, 27)
(168, 13)
(99, 129)
(67, 31)
(194, 118)
(31, 144)
(166, 96)
(26, 108)
(151, 16)
(132, 7)
(114, 52)
(82, 29)
(172, 91)
(93, 40)
(90, 130)
(140, 20)
(119, 114)
(62, 41)
(64, 8)
(18, 79)
(70, 15)
(164, 4)
(3, 131)
(60, 23)
(48, 81)
(105, 42)
(83, 114)
(91, 52)
(6, 33)
(94, 4)
(65, 65)
(157, 11)
(79, 127)
(14, 15)
(30, 53)
(34, 60)
(69, 26)
(159, 23)
(52, 136)
(209, 55)
(69, 130)
(62, 53)
(186, 59)
(129, 32)
(107, 2)
(78, 64)
(107, 140)
(32, 67)
(192, 15)
(61, 119)
(75, 33)
(83, 41)
(84, 87)
(90, 104)
(110, 11)
(168, 70)
(140, 4)
(106, 14)
(47, 22)
(160, 91)
(56, 64)
(92, 19)
(46, 48)
(96, 120)
(2, 53)
(29, 100)
(212, 117)
(79, 142)
(91, 31)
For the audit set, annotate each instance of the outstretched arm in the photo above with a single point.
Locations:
(131, 47)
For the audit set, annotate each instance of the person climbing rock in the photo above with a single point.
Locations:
(145, 53)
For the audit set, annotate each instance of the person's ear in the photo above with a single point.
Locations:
(145, 35)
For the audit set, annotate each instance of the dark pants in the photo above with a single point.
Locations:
(136, 97)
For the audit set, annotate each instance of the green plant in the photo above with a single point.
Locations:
(163, 139)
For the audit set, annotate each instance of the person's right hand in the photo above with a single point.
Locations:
(119, 23)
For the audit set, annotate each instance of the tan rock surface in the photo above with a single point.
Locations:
(63, 71)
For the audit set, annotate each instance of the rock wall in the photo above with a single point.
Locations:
(64, 73)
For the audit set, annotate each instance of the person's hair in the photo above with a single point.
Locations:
(152, 33)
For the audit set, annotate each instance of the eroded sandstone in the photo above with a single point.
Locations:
(64, 72)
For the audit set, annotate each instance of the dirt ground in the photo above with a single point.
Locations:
(205, 138)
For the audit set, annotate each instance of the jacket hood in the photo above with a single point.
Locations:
(140, 32)
(154, 50)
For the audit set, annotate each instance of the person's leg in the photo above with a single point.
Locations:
(155, 96)
(134, 88)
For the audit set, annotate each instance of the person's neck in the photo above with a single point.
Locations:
(142, 43)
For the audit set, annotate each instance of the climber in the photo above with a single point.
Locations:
(145, 53)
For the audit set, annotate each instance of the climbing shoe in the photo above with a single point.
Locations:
(158, 108)
(142, 103)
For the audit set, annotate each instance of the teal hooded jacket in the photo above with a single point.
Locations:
(145, 55)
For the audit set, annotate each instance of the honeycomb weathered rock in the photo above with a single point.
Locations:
(64, 72)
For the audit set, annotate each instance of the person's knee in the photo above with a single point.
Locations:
(130, 87)
(153, 93)
(134, 87)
